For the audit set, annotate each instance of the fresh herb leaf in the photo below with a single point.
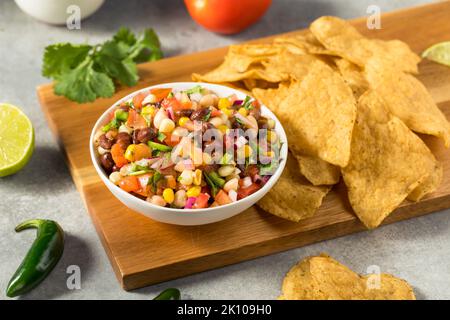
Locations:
(211, 184)
(207, 116)
(125, 35)
(247, 104)
(146, 48)
(161, 136)
(156, 177)
(239, 121)
(84, 73)
(196, 89)
(113, 124)
(63, 57)
(269, 168)
(84, 84)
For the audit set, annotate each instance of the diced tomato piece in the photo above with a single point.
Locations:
(245, 192)
(118, 155)
(255, 103)
(171, 182)
(215, 113)
(130, 184)
(137, 99)
(214, 204)
(160, 93)
(171, 140)
(143, 191)
(143, 179)
(201, 201)
(141, 151)
(175, 104)
(135, 120)
(222, 198)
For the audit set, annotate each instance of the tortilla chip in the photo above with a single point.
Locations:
(341, 38)
(289, 65)
(388, 161)
(429, 185)
(243, 56)
(323, 278)
(317, 171)
(226, 73)
(317, 113)
(353, 75)
(293, 198)
(305, 43)
(407, 98)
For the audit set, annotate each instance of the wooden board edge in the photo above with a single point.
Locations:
(184, 268)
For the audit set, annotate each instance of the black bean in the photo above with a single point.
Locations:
(144, 135)
(104, 142)
(107, 162)
(124, 140)
(184, 113)
(199, 114)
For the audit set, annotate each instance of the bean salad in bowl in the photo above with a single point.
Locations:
(188, 148)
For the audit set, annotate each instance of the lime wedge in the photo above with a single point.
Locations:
(440, 53)
(16, 139)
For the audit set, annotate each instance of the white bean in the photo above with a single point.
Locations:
(180, 199)
(226, 170)
(231, 185)
(115, 177)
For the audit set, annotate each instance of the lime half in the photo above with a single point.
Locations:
(16, 139)
(440, 53)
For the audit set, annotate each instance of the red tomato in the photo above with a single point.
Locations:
(227, 16)
(137, 99)
(171, 140)
(222, 198)
(117, 154)
(201, 201)
(129, 183)
(244, 192)
(160, 93)
(135, 120)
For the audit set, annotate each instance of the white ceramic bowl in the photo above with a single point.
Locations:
(189, 216)
(56, 11)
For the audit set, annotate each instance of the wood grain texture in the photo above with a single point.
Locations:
(144, 252)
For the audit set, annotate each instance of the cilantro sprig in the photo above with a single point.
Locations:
(83, 73)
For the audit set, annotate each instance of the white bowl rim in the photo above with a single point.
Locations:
(270, 183)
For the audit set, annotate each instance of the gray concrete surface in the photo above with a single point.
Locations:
(416, 250)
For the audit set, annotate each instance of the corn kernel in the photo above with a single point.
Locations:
(193, 191)
(185, 177)
(222, 128)
(129, 153)
(271, 136)
(115, 177)
(168, 195)
(269, 154)
(166, 125)
(247, 151)
(243, 111)
(197, 178)
(227, 112)
(183, 121)
(224, 103)
(149, 110)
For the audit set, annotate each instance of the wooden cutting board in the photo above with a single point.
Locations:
(144, 252)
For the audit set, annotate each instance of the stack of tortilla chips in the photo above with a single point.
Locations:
(351, 107)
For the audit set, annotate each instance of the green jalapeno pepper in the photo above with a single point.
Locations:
(169, 294)
(42, 257)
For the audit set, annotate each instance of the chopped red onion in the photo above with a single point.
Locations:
(190, 202)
